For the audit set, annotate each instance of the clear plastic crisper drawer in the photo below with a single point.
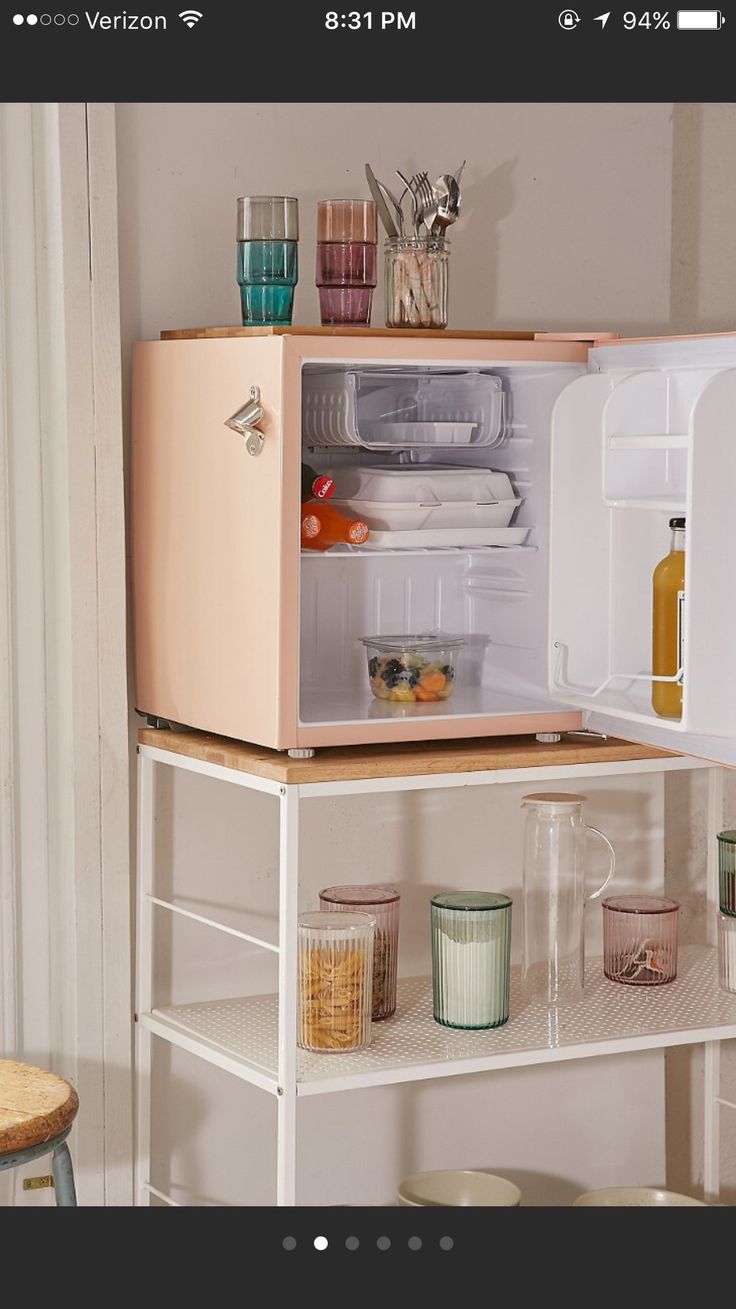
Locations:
(402, 409)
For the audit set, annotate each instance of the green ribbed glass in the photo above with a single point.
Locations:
(471, 953)
(727, 872)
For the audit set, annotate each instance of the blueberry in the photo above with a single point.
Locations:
(413, 676)
(449, 672)
(391, 672)
(372, 666)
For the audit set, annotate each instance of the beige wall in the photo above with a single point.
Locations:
(610, 216)
(567, 207)
(703, 229)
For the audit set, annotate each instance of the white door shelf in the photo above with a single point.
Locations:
(242, 1035)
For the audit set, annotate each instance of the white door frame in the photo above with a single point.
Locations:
(65, 962)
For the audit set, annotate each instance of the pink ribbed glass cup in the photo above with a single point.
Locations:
(640, 939)
(382, 903)
(346, 260)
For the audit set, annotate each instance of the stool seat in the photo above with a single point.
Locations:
(35, 1106)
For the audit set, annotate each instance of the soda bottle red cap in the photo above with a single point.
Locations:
(322, 487)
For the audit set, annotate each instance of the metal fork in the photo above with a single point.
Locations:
(409, 185)
(428, 201)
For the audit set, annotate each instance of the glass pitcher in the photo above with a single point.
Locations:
(554, 896)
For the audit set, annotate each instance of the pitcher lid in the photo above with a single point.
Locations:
(553, 797)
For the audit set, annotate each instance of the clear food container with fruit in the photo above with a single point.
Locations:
(417, 669)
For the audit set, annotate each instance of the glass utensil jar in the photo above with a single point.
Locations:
(382, 902)
(471, 950)
(416, 281)
(335, 981)
(346, 260)
(727, 951)
(640, 939)
(267, 236)
(555, 841)
(727, 871)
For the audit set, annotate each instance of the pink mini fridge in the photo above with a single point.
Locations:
(518, 489)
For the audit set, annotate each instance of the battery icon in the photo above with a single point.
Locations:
(700, 20)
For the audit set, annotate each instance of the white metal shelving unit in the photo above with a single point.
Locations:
(254, 1039)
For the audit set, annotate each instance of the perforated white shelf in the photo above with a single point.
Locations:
(241, 1035)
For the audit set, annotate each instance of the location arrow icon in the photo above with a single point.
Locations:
(602, 19)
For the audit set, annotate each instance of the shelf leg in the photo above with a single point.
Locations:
(144, 976)
(288, 900)
(712, 1122)
(714, 825)
(712, 1071)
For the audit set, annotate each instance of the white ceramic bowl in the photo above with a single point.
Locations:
(458, 1186)
(635, 1196)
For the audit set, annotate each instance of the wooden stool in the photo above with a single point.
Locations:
(37, 1111)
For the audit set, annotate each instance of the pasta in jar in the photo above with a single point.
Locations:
(335, 981)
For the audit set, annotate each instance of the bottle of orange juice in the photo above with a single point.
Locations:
(668, 616)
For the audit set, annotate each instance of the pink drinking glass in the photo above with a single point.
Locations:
(346, 260)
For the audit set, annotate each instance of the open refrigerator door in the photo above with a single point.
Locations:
(647, 437)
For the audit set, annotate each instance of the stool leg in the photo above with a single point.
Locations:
(61, 1167)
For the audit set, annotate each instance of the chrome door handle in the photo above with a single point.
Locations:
(244, 420)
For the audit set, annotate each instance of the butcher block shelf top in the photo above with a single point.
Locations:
(406, 759)
(209, 333)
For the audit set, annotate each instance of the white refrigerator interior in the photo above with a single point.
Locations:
(496, 598)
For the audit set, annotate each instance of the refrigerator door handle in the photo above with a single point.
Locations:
(244, 420)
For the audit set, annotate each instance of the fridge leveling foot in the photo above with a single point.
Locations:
(165, 724)
(549, 738)
(301, 754)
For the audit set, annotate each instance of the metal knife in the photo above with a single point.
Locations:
(380, 199)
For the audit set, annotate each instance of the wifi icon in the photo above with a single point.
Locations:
(190, 16)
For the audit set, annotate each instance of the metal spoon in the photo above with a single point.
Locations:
(448, 204)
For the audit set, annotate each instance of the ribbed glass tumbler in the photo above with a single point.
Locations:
(335, 981)
(471, 952)
(267, 236)
(346, 260)
(640, 939)
(727, 871)
(382, 902)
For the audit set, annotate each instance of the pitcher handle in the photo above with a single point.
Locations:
(594, 894)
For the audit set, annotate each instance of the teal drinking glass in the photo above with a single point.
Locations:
(267, 263)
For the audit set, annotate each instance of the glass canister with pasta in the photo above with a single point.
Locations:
(335, 981)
